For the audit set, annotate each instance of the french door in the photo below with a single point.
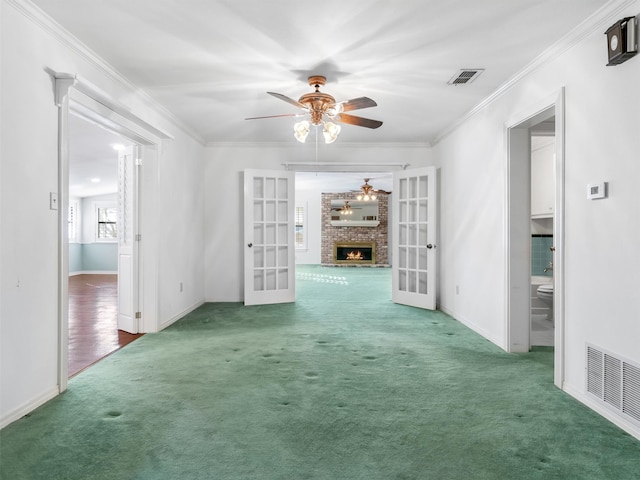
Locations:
(414, 207)
(269, 251)
(127, 242)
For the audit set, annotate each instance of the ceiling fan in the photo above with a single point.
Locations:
(367, 192)
(346, 209)
(319, 105)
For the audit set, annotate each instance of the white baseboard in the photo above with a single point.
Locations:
(177, 317)
(480, 331)
(28, 407)
(99, 272)
(597, 407)
(224, 300)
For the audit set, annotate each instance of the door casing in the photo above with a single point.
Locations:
(87, 101)
(518, 230)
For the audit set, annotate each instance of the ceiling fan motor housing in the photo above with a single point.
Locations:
(317, 102)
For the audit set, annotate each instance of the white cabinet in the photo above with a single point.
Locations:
(542, 177)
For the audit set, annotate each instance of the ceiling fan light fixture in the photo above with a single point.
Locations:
(331, 132)
(301, 131)
(367, 192)
(334, 110)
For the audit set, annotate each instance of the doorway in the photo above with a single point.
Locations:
(542, 213)
(76, 96)
(93, 196)
(519, 227)
(310, 185)
(409, 235)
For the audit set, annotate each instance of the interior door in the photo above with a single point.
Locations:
(127, 242)
(414, 204)
(269, 260)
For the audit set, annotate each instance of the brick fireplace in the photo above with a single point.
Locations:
(376, 237)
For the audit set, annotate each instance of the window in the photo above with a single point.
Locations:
(107, 223)
(300, 220)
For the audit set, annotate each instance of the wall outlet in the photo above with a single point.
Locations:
(181, 286)
(457, 289)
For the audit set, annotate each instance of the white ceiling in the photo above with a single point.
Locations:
(92, 156)
(210, 63)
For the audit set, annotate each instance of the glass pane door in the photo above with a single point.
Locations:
(414, 232)
(269, 237)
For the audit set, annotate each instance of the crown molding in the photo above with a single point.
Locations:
(294, 144)
(67, 39)
(343, 167)
(598, 20)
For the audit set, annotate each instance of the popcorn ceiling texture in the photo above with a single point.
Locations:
(330, 234)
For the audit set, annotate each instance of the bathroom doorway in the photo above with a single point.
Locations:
(519, 131)
(541, 250)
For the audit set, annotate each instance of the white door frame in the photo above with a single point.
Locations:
(72, 93)
(518, 230)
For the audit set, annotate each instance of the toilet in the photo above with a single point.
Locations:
(545, 294)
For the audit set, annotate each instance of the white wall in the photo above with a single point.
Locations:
(312, 201)
(29, 237)
(224, 203)
(602, 142)
(180, 228)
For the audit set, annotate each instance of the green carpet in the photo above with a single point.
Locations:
(343, 384)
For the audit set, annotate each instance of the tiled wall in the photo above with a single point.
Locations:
(331, 234)
(541, 254)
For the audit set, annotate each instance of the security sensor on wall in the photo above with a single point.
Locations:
(622, 40)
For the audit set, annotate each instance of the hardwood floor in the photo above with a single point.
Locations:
(93, 320)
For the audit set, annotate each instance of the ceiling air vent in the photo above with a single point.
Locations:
(465, 76)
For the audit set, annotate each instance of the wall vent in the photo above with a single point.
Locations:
(614, 381)
(465, 76)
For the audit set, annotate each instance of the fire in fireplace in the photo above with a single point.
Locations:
(354, 252)
(357, 255)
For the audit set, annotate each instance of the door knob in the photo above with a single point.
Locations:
(429, 246)
(250, 245)
(553, 249)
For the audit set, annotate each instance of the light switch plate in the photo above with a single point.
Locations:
(53, 200)
(596, 190)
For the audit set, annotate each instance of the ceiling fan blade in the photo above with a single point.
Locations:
(276, 116)
(359, 121)
(357, 103)
(288, 100)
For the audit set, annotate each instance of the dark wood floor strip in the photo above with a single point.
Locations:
(93, 320)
